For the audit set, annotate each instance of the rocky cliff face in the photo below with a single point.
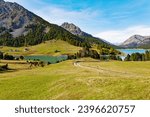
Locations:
(74, 29)
(136, 41)
(15, 17)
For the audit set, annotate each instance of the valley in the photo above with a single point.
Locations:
(40, 60)
(111, 80)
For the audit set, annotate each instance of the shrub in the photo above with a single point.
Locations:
(1, 55)
(8, 57)
(21, 57)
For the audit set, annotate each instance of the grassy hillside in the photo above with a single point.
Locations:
(95, 40)
(47, 48)
(90, 80)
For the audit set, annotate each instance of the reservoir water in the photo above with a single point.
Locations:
(130, 51)
(51, 59)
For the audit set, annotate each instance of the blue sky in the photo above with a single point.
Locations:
(113, 20)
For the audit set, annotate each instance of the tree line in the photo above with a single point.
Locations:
(36, 35)
(88, 52)
(138, 56)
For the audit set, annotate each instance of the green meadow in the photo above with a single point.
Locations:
(90, 79)
(72, 79)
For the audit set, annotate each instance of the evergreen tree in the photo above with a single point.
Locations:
(1, 55)
(128, 58)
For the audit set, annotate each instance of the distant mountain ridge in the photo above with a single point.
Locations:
(72, 28)
(137, 41)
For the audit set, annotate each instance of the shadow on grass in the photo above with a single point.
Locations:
(7, 70)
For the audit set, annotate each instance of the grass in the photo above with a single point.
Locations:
(114, 80)
(47, 48)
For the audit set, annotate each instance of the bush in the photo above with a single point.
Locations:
(21, 57)
(8, 57)
(1, 55)
(56, 51)
(48, 63)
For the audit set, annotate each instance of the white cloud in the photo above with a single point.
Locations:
(118, 36)
(59, 15)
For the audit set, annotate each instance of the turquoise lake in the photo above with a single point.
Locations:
(51, 59)
(130, 51)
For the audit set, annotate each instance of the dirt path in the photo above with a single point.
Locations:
(106, 71)
(77, 64)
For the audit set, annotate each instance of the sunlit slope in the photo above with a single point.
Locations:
(53, 47)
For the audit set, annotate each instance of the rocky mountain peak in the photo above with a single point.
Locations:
(138, 37)
(74, 29)
(15, 17)
(136, 41)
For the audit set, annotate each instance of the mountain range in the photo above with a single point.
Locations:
(137, 41)
(20, 27)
